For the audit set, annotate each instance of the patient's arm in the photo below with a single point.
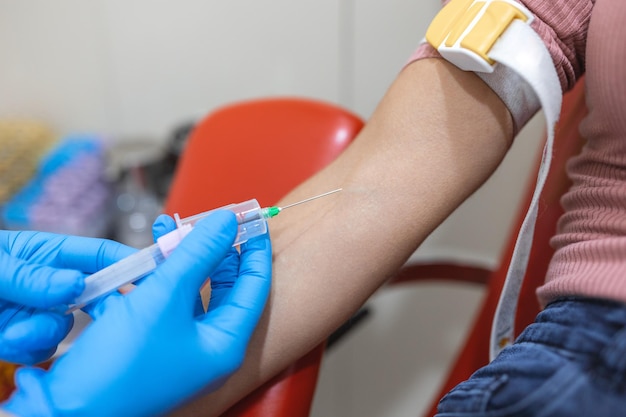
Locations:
(436, 136)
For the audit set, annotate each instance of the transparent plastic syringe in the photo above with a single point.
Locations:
(252, 220)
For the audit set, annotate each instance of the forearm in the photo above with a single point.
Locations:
(434, 139)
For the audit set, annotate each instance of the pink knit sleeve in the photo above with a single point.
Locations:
(563, 25)
(590, 243)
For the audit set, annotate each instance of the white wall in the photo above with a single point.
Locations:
(136, 68)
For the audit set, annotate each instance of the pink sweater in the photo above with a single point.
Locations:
(590, 243)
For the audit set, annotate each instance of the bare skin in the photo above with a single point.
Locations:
(435, 137)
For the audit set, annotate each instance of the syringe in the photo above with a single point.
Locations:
(252, 220)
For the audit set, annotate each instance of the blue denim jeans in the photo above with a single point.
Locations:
(570, 362)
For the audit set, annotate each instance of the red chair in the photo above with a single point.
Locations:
(262, 149)
(475, 350)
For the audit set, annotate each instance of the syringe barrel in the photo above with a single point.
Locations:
(123, 272)
(250, 217)
(252, 223)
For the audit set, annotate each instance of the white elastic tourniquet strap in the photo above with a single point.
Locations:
(523, 51)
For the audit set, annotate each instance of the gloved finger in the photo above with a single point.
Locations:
(31, 335)
(36, 285)
(162, 226)
(195, 258)
(42, 329)
(69, 252)
(28, 357)
(240, 312)
(91, 254)
(96, 308)
(224, 277)
(29, 396)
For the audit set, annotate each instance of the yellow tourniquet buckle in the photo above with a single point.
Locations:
(464, 31)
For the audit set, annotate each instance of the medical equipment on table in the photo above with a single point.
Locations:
(252, 220)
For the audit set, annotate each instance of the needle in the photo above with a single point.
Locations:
(273, 211)
(311, 198)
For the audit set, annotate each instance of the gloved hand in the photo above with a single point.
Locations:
(40, 271)
(146, 352)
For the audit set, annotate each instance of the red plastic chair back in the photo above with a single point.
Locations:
(567, 143)
(262, 149)
(258, 149)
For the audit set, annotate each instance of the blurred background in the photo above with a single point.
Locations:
(97, 99)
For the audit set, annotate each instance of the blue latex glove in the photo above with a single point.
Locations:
(146, 352)
(39, 271)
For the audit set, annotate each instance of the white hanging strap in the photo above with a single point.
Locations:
(480, 36)
(534, 69)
